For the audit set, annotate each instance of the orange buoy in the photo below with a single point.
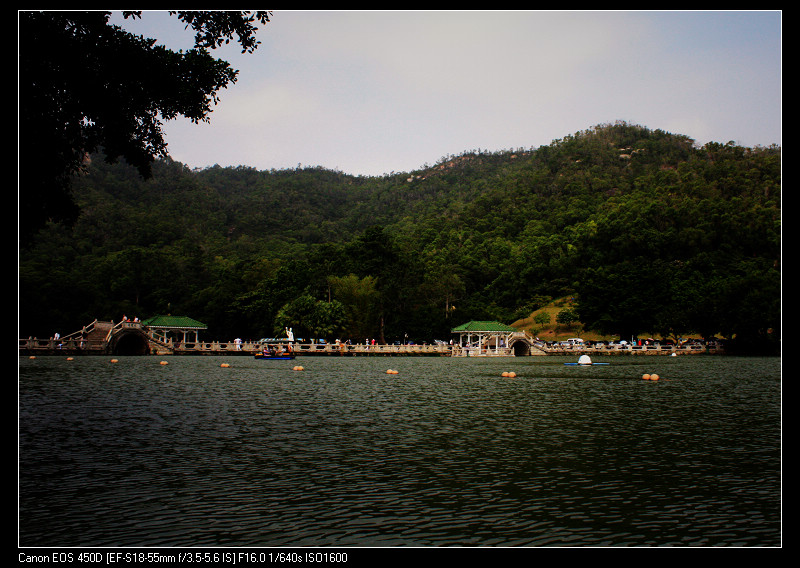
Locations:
(392, 372)
(297, 368)
(505, 373)
(163, 363)
(646, 376)
(654, 377)
(225, 365)
(115, 360)
(70, 359)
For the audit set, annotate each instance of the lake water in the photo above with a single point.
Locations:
(445, 453)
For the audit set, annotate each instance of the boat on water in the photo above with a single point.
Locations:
(585, 360)
(276, 349)
(284, 356)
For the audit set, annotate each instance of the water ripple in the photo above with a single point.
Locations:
(445, 453)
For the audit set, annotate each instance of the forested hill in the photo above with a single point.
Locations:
(649, 232)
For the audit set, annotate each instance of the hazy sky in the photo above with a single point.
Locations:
(371, 92)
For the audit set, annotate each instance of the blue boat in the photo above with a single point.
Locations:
(282, 357)
(585, 360)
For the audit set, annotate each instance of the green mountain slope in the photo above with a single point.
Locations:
(650, 233)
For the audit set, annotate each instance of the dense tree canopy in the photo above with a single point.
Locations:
(86, 85)
(651, 234)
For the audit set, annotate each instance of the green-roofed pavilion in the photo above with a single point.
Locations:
(481, 338)
(163, 326)
(495, 326)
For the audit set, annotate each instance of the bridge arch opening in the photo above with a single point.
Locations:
(521, 348)
(131, 343)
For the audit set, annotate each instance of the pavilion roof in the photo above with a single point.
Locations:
(174, 322)
(495, 326)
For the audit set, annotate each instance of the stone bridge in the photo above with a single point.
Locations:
(102, 338)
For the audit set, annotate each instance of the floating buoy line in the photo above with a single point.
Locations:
(584, 360)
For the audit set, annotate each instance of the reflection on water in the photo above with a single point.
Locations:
(446, 452)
